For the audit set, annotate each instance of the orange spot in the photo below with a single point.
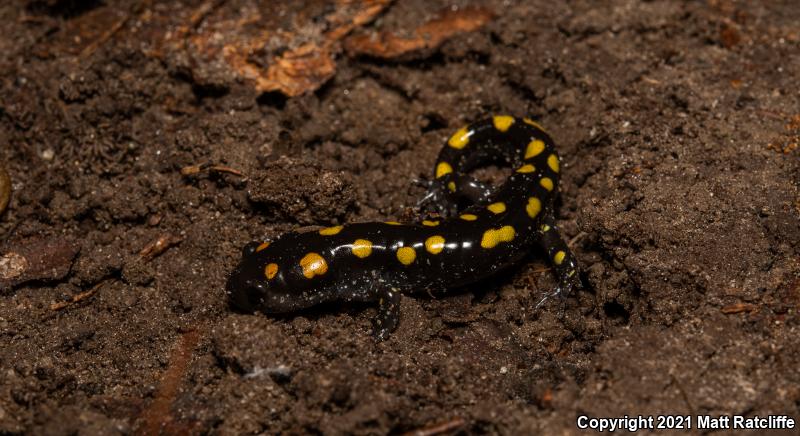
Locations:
(493, 237)
(496, 208)
(271, 270)
(442, 169)
(534, 148)
(328, 231)
(406, 255)
(313, 265)
(552, 162)
(460, 139)
(534, 207)
(434, 244)
(527, 168)
(362, 248)
(502, 122)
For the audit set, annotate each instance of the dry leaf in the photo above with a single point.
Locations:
(430, 35)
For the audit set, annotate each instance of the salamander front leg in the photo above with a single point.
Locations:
(564, 264)
(388, 311)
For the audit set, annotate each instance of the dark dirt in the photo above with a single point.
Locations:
(678, 126)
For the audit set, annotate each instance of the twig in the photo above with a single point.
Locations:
(75, 298)
(453, 424)
(196, 169)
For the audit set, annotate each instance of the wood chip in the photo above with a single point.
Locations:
(738, 308)
(159, 246)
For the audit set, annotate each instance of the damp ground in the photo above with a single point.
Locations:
(141, 163)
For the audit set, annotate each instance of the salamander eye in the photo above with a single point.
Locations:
(250, 248)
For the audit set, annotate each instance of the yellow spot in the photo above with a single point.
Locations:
(406, 255)
(534, 207)
(534, 124)
(534, 148)
(271, 270)
(547, 183)
(545, 227)
(451, 186)
(559, 257)
(362, 248)
(442, 169)
(498, 207)
(527, 168)
(262, 246)
(468, 217)
(460, 139)
(493, 237)
(552, 162)
(392, 223)
(502, 122)
(328, 231)
(430, 223)
(434, 244)
(313, 265)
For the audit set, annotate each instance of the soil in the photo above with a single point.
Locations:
(677, 123)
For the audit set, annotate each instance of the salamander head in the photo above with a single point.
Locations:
(264, 281)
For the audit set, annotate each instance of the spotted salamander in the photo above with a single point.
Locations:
(378, 261)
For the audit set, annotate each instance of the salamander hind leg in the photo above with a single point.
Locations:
(388, 311)
(561, 257)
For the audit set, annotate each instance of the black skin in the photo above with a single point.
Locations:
(381, 277)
